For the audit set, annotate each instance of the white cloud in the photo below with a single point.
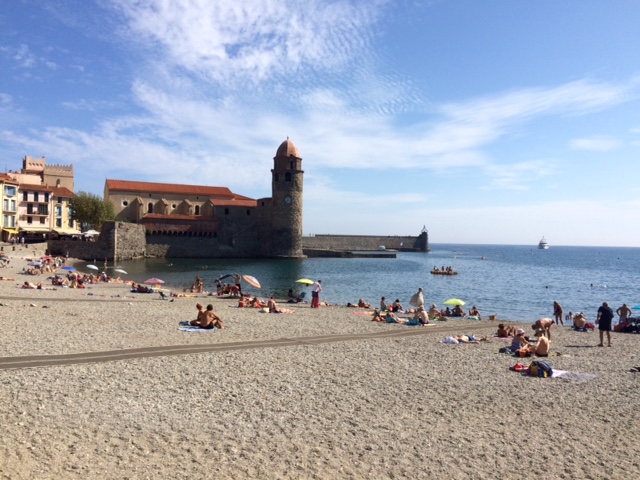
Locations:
(601, 143)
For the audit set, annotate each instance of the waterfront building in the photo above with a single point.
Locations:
(8, 207)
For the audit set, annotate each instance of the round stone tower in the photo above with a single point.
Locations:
(285, 216)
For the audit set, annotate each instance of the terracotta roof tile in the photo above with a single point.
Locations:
(168, 188)
(62, 192)
(37, 188)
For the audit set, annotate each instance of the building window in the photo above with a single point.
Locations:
(197, 209)
(13, 205)
(58, 222)
(25, 196)
(71, 222)
(43, 209)
(287, 177)
(226, 211)
(276, 177)
(59, 199)
(29, 220)
(41, 220)
(291, 164)
(30, 208)
(5, 220)
(36, 197)
(9, 190)
(150, 208)
(125, 203)
(248, 212)
(46, 197)
(59, 211)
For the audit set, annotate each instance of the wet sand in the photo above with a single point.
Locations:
(314, 394)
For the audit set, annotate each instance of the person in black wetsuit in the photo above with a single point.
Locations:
(605, 318)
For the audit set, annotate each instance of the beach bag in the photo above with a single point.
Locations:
(540, 368)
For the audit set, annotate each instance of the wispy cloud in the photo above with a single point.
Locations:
(601, 143)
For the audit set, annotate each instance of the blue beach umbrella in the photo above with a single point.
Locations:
(68, 268)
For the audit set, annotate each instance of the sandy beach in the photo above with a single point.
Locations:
(317, 393)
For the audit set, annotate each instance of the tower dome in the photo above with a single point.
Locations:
(287, 149)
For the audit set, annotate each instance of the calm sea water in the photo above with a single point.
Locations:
(514, 282)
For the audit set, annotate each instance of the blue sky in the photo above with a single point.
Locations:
(485, 121)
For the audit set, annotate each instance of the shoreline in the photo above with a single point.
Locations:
(386, 403)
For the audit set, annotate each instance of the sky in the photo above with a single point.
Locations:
(487, 122)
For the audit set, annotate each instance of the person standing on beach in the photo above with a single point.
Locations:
(417, 300)
(315, 294)
(557, 313)
(238, 280)
(624, 312)
(605, 317)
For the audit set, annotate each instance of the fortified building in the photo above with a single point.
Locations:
(204, 221)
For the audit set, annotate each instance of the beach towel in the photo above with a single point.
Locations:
(192, 328)
(573, 376)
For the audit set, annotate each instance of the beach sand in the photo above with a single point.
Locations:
(270, 404)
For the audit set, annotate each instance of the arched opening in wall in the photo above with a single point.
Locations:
(287, 177)
(292, 164)
(197, 209)
(150, 207)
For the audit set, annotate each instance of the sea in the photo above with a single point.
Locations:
(516, 283)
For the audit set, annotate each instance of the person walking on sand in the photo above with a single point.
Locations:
(315, 294)
(557, 313)
(238, 280)
(624, 312)
(605, 317)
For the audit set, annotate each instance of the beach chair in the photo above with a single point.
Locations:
(163, 296)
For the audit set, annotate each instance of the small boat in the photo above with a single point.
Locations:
(543, 245)
(443, 272)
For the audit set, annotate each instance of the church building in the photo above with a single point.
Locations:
(177, 217)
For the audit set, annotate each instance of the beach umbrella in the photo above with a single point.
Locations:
(153, 281)
(91, 233)
(93, 267)
(305, 281)
(252, 281)
(119, 270)
(67, 267)
(222, 277)
(454, 301)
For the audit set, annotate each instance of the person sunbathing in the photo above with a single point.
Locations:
(466, 339)
(504, 332)
(540, 348)
(434, 313)
(458, 312)
(273, 306)
(383, 305)
(363, 304)
(474, 312)
(207, 319)
(579, 321)
(28, 285)
(519, 340)
(378, 317)
(421, 315)
(255, 302)
(397, 306)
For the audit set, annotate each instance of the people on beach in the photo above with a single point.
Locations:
(624, 313)
(417, 300)
(604, 320)
(273, 306)
(519, 340)
(579, 321)
(474, 313)
(458, 311)
(315, 294)
(505, 332)
(397, 307)
(421, 315)
(557, 313)
(293, 297)
(383, 304)
(363, 304)
(207, 318)
(238, 280)
(545, 325)
(540, 348)
(434, 313)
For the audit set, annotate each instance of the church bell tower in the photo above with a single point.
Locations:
(286, 204)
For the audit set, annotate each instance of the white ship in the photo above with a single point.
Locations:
(543, 244)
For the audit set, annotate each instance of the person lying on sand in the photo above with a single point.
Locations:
(363, 304)
(545, 325)
(378, 317)
(466, 339)
(207, 319)
(504, 332)
(6, 279)
(28, 285)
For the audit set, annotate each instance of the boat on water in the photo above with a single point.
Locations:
(543, 245)
(443, 272)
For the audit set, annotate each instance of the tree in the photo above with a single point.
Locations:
(91, 211)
